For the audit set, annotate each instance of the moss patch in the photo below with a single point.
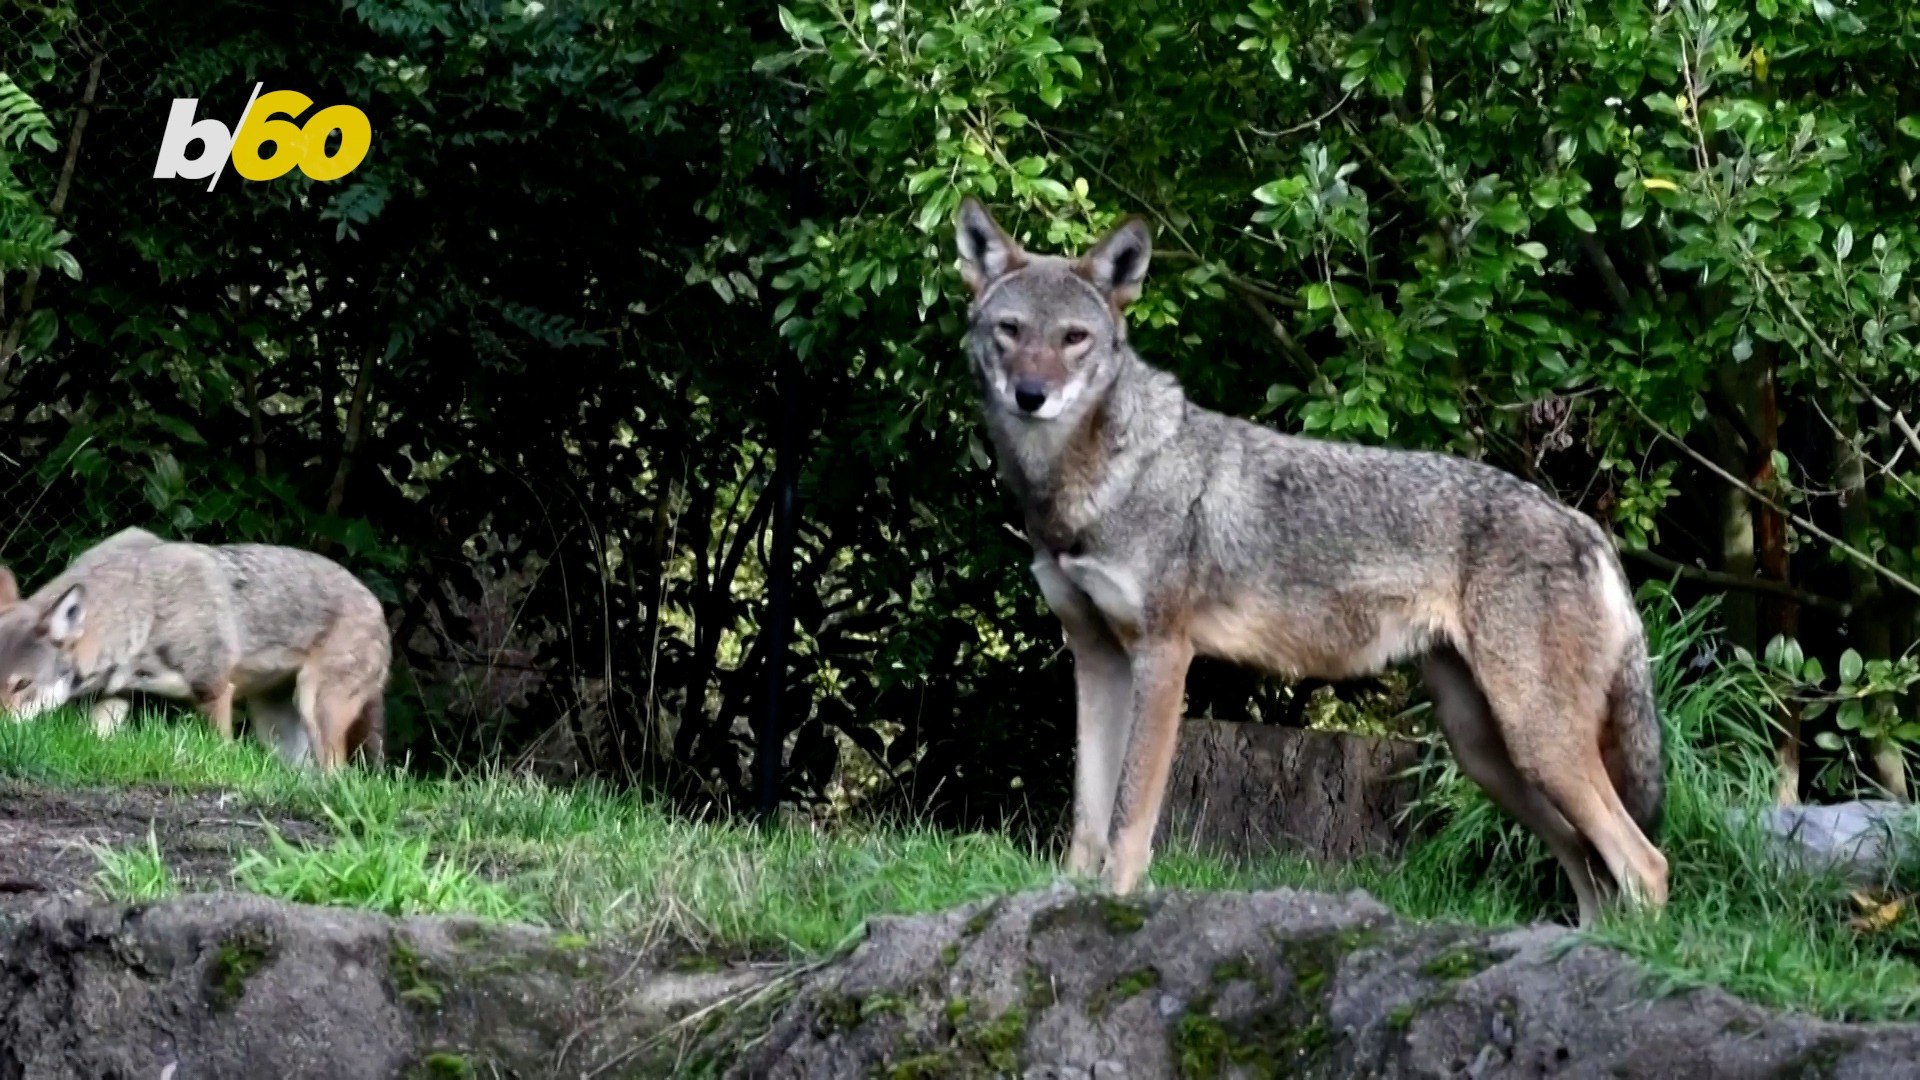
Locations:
(1457, 963)
(835, 1013)
(1111, 913)
(235, 962)
(1040, 994)
(1288, 1035)
(1227, 972)
(997, 1041)
(1126, 987)
(978, 920)
(1123, 916)
(972, 1047)
(921, 1067)
(442, 1067)
(411, 981)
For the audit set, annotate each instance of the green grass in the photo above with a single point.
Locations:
(137, 874)
(590, 861)
(369, 865)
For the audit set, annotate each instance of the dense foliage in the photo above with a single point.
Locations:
(518, 369)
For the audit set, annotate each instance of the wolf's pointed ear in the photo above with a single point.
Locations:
(986, 251)
(9, 589)
(1118, 263)
(67, 617)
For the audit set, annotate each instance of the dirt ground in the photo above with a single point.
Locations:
(47, 837)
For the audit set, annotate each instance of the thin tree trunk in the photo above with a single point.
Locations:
(1779, 616)
(654, 738)
(257, 433)
(1741, 610)
(770, 740)
(250, 384)
(1871, 619)
(356, 428)
(349, 441)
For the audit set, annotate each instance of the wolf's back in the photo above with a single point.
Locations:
(287, 597)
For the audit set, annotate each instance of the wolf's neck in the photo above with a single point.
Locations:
(1071, 472)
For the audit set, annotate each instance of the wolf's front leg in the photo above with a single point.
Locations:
(1103, 691)
(1159, 668)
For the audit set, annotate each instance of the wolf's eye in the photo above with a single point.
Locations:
(1009, 328)
(1075, 336)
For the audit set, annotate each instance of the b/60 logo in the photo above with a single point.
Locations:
(302, 146)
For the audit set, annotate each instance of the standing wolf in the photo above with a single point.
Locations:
(294, 634)
(1162, 530)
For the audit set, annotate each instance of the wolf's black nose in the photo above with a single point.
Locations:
(1029, 394)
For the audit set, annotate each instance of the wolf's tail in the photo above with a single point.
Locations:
(1631, 744)
(369, 735)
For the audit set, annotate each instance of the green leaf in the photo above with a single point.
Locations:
(1319, 295)
(177, 428)
(1581, 219)
(1850, 667)
(1506, 215)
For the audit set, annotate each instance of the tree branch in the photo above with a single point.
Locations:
(1764, 586)
(1281, 334)
(1852, 552)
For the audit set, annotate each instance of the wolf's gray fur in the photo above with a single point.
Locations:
(292, 633)
(1162, 530)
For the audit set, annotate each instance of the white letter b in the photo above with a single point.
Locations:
(215, 143)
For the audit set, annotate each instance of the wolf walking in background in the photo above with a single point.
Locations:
(1161, 530)
(291, 633)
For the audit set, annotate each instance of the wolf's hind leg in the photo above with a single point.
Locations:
(1551, 721)
(275, 719)
(1467, 720)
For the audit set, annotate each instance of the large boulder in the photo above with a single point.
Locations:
(1058, 984)
(1279, 983)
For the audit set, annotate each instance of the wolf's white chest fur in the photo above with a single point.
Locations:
(1083, 588)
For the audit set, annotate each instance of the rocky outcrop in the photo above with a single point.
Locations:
(239, 986)
(1042, 985)
(1274, 984)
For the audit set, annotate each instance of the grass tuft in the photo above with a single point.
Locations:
(135, 874)
(371, 865)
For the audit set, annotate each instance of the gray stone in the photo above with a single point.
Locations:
(1053, 985)
(1864, 840)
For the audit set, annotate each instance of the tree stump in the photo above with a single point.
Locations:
(1252, 789)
